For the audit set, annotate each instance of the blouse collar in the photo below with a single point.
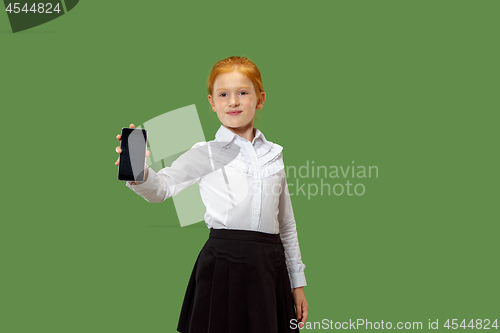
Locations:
(260, 143)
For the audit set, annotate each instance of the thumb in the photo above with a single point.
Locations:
(299, 315)
(299, 312)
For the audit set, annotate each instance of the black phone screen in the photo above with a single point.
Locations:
(133, 155)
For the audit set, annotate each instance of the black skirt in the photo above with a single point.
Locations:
(239, 284)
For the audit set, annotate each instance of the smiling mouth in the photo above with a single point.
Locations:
(234, 113)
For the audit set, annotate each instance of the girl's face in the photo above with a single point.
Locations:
(235, 100)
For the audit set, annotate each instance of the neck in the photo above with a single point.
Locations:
(246, 132)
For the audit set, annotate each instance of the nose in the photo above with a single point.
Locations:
(233, 101)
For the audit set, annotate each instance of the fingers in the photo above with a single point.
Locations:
(302, 313)
(299, 314)
(148, 153)
(119, 150)
(119, 136)
(305, 312)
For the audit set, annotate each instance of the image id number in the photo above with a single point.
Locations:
(477, 324)
(39, 8)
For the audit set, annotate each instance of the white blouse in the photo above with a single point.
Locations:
(243, 186)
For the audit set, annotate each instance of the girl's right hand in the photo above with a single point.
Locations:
(119, 150)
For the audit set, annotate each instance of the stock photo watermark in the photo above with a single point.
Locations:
(365, 324)
(311, 180)
(181, 128)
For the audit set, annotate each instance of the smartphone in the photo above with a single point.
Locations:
(133, 156)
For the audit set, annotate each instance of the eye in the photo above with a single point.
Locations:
(244, 92)
(222, 95)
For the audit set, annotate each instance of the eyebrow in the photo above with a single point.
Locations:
(238, 88)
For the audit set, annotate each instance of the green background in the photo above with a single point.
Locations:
(408, 86)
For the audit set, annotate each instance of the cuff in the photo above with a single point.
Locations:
(297, 279)
(148, 184)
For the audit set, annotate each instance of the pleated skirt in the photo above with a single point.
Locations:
(239, 284)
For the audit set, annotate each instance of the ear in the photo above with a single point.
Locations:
(210, 100)
(261, 103)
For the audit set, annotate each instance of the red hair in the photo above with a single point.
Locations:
(239, 64)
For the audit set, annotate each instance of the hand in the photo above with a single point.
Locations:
(299, 298)
(119, 151)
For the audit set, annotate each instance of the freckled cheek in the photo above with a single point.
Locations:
(247, 101)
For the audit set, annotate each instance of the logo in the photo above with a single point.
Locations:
(173, 134)
(28, 14)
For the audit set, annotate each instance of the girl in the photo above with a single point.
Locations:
(249, 273)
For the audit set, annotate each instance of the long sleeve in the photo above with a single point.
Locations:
(186, 170)
(288, 232)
